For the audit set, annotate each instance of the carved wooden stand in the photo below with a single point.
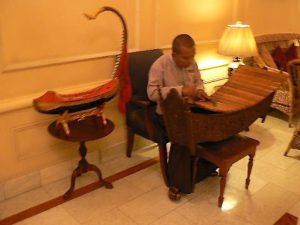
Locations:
(91, 128)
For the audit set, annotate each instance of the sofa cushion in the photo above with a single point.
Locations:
(291, 52)
(282, 56)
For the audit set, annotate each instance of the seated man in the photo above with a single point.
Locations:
(178, 70)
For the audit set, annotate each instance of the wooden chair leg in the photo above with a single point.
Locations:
(263, 118)
(287, 151)
(290, 120)
(223, 175)
(163, 158)
(250, 165)
(288, 148)
(130, 138)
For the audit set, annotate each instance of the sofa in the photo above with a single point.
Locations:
(280, 52)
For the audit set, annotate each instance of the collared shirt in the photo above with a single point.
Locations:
(164, 73)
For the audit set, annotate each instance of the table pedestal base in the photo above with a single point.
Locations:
(84, 167)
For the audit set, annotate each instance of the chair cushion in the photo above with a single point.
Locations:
(291, 52)
(279, 58)
(135, 119)
(282, 56)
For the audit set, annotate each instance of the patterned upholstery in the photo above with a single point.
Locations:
(287, 98)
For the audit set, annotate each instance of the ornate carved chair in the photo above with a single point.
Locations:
(140, 111)
(281, 52)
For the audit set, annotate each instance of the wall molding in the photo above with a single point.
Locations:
(32, 64)
(59, 61)
(56, 61)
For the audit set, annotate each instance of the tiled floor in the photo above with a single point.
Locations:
(141, 198)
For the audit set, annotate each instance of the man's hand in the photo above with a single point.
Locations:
(193, 93)
(189, 91)
(201, 95)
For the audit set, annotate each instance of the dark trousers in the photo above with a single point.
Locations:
(180, 165)
(180, 168)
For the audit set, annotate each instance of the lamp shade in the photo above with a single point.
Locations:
(238, 40)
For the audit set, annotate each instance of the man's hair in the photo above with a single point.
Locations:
(182, 40)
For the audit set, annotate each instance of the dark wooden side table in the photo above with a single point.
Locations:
(87, 129)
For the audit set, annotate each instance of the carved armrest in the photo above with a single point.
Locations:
(293, 67)
(287, 86)
(274, 70)
(142, 103)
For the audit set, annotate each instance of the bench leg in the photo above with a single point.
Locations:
(223, 175)
(250, 165)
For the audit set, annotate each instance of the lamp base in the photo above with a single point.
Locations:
(236, 61)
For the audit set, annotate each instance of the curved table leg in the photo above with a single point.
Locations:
(75, 174)
(83, 167)
(94, 168)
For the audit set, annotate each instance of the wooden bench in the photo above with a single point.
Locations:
(225, 153)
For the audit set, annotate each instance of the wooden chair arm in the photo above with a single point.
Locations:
(293, 62)
(290, 87)
(293, 68)
(146, 105)
(274, 70)
(143, 103)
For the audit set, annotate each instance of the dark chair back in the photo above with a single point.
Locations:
(140, 111)
(139, 66)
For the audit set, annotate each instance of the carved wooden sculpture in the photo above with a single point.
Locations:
(71, 106)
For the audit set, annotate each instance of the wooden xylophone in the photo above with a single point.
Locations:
(246, 96)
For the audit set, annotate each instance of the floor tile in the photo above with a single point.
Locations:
(101, 200)
(232, 220)
(150, 206)
(112, 217)
(266, 205)
(52, 216)
(147, 179)
(173, 218)
(295, 210)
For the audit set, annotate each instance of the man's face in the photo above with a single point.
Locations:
(185, 57)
